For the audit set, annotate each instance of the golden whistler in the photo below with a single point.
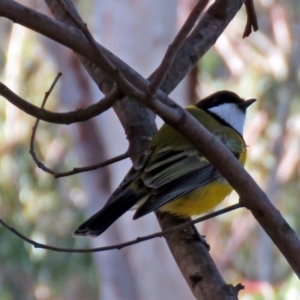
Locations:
(175, 177)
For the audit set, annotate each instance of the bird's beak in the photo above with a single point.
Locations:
(247, 103)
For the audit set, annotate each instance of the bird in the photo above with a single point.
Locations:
(174, 176)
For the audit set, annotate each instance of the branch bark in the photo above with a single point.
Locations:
(251, 195)
(80, 115)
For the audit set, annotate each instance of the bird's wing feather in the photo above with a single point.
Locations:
(181, 173)
(169, 165)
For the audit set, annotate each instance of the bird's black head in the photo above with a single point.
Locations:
(223, 97)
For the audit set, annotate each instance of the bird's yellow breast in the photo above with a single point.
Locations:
(202, 199)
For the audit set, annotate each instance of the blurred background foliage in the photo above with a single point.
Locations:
(264, 66)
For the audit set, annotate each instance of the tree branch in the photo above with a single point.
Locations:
(159, 75)
(80, 115)
(251, 195)
(138, 240)
(202, 38)
(251, 18)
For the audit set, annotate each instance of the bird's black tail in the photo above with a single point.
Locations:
(111, 211)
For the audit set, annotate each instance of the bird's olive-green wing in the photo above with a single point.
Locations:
(132, 178)
(174, 174)
(171, 174)
(168, 165)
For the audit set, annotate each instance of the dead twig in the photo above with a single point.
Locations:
(93, 167)
(122, 245)
(251, 18)
(74, 170)
(34, 128)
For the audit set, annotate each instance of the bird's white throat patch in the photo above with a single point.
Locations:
(231, 114)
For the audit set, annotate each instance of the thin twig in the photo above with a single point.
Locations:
(34, 128)
(75, 170)
(122, 245)
(251, 18)
(158, 77)
(93, 167)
